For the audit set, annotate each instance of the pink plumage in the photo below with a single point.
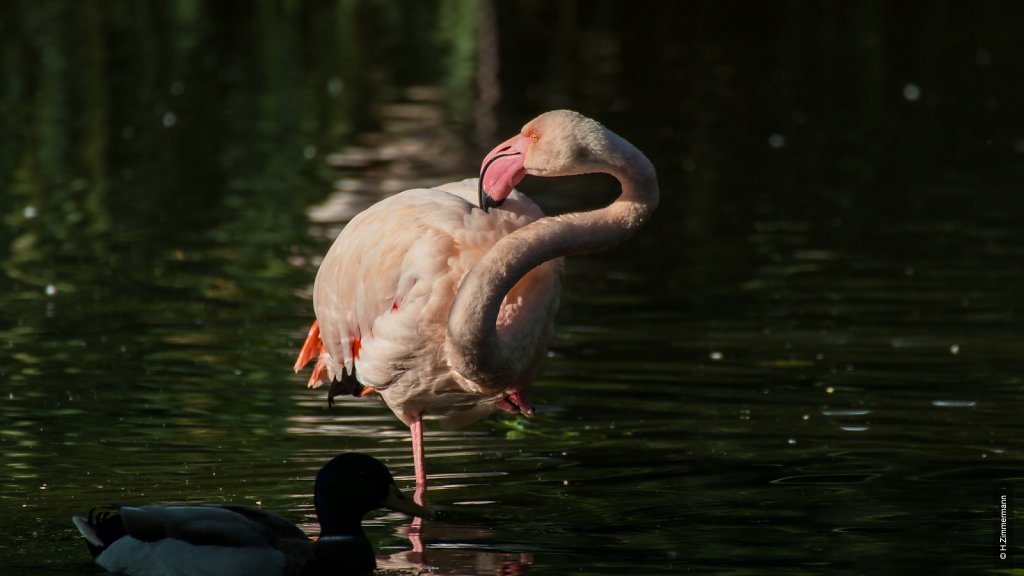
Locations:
(445, 306)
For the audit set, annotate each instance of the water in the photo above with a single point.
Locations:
(809, 362)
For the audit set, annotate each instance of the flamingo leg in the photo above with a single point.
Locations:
(415, 529)
(416, 429)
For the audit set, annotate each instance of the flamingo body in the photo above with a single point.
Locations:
(384, 291)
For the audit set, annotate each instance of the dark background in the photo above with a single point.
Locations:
(810, 359)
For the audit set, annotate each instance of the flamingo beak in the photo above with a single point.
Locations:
(397, 501)
(501, 170)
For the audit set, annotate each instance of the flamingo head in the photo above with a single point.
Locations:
(556, 143)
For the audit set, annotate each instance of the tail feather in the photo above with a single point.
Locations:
(317, 377)
(326, 370)
(311, 348)
(87, 530)
(99, 530)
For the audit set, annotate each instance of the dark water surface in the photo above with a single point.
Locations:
(810, 362)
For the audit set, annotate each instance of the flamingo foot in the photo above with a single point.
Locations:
(516, 402)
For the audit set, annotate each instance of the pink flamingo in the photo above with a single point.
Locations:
(441, 303)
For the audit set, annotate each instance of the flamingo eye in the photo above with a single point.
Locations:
(534, 136)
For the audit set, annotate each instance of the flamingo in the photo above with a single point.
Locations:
(442, 300)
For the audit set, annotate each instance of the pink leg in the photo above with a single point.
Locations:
(416, 428)
(415, 538)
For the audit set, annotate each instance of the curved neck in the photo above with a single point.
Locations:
(475, 348)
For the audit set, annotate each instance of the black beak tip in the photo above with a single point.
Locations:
(489, 203)
(486, 202)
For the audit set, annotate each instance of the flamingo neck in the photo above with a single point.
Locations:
(476, 348)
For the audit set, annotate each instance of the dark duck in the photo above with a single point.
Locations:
(226, 540)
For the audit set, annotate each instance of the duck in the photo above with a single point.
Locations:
(233, 540)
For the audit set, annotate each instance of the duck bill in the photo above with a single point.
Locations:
(397, 501)
(502, 170)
